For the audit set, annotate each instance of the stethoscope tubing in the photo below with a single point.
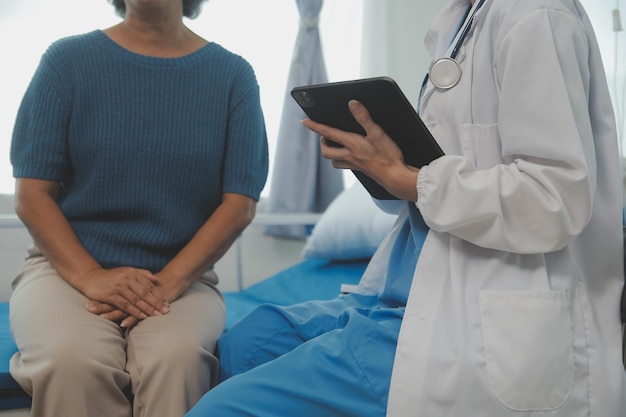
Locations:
(466, 29)
(445, 73)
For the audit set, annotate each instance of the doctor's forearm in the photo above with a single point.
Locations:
(520, 208)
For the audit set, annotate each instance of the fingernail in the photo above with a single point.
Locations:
(122, 324)
(143, 315)
(156, 313)
(165, 309)
(354, 105)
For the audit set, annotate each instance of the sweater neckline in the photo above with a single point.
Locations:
(184, 60)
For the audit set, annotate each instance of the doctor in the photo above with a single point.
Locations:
(512, 308)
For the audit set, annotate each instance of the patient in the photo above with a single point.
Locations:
(140, 152)
(497, 291)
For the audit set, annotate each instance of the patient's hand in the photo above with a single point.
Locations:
(109, 312)
(164, 284)
(125, 290)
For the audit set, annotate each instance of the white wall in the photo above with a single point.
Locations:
(14, 240)
(13, 244)
(393, 41)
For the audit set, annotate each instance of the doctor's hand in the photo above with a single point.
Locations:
(374, 154)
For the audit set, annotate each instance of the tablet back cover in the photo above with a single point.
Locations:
(389, 108)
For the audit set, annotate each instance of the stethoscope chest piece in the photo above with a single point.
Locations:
(445, 73)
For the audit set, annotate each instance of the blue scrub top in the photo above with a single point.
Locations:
(403, 259)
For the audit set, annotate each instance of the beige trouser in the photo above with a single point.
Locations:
(77, 364)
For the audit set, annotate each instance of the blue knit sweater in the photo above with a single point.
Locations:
(144, 147)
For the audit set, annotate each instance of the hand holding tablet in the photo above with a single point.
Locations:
(388, 107)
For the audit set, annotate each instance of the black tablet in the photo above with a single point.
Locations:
(389, 108)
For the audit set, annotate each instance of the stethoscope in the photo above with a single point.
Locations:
(445, 72)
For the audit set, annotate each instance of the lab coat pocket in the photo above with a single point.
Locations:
(528, 348)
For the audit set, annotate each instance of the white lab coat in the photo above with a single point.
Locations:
(514, 306)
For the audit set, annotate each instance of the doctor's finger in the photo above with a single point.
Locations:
(337, 155)
(363, 117)
(341, 164)
(329, 133)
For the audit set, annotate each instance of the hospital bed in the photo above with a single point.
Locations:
(335, 254)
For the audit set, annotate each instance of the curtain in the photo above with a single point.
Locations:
(302, 180)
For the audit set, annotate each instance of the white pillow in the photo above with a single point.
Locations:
(352, 227)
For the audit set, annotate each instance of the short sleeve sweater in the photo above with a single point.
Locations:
(143, 147)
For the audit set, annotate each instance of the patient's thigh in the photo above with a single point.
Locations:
(72, 361)
(271, 331)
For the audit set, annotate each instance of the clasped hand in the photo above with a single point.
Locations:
(126, 295)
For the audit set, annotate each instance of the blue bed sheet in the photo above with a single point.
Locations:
(11, 395)
(311, 279)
